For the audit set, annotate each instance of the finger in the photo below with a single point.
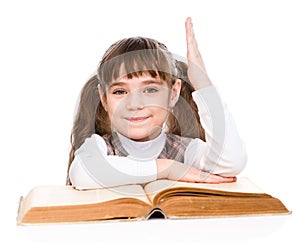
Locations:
(192, 45)
(188, 26)
(206, 177)
(226, 179)
(190, 39)
(193, 53)
(215, 179)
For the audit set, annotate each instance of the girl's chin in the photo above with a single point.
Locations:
(139, 137)
(142, 136)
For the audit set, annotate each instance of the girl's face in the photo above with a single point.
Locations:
(138, 107)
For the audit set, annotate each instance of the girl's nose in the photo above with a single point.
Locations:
(134, 101)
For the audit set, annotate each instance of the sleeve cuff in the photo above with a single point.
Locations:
(205, 97)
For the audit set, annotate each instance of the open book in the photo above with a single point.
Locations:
(161, 198)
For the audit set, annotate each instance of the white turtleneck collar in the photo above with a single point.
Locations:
(143, 150)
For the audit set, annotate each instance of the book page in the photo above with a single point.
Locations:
(66, 195)
(243, 184)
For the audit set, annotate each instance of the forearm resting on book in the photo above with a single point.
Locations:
(174, 170)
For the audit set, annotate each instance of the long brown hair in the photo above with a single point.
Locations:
(133, 57)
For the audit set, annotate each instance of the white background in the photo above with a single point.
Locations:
(48, 49)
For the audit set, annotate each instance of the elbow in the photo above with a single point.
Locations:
(239, 165)
(79, 178)
(74, 176)
(237, 160)
(230, 164)
(235, 165)
(240, 161)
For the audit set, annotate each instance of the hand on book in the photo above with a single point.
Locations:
(173, 170)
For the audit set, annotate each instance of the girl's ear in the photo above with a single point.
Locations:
(102, 97)
(175, 92)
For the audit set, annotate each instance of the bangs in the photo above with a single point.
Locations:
(153, 62)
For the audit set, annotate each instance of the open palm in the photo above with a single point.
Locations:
(196, 69)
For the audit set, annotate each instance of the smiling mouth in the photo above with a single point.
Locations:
(137, 119)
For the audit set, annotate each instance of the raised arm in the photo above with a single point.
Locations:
(223, 152)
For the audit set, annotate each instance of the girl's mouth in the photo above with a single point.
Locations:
(137, 119)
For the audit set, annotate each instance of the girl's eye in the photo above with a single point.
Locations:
(150, 90)
(119, 92)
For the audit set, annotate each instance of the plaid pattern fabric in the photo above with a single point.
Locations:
(174, 148)
(114, 145)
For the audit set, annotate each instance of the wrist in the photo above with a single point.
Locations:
(163, 168)
(204, 83)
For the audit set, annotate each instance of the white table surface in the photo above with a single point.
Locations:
(233, 229)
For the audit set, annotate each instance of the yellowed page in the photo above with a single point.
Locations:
(66, 195)
(243, 184)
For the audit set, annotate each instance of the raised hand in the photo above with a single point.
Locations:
(196, 69)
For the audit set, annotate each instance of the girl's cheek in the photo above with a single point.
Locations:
(159, 99)
(115, 105)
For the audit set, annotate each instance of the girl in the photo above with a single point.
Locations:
(146, 116)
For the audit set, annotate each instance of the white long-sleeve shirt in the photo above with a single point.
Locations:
(223, 152)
